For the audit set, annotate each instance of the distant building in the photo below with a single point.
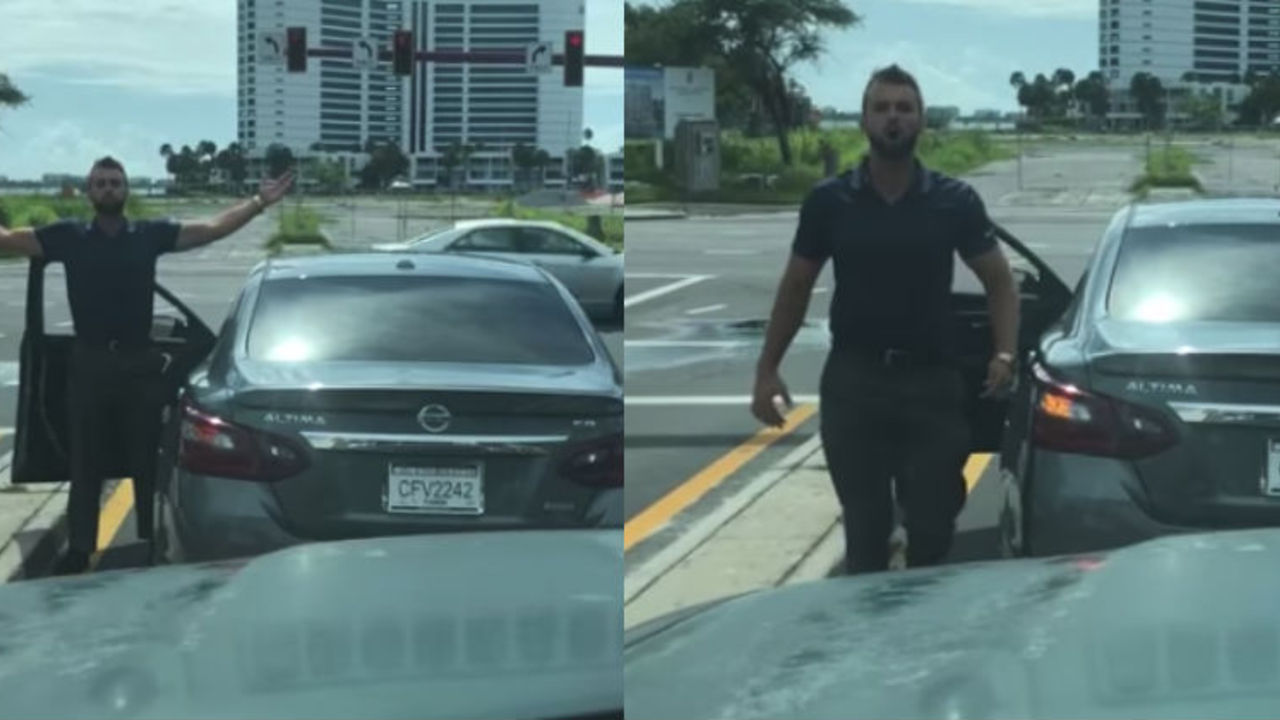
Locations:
(337, 108)
(1206, 47)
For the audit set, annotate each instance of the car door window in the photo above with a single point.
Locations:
(548, 242)
(488, 240)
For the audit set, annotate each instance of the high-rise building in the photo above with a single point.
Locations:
(1216, 42)
(482, 109)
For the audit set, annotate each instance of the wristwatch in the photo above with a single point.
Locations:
(1006, 358)
(257, 200)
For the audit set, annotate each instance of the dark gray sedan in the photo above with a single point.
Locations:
(1152, 405)
(353, 396)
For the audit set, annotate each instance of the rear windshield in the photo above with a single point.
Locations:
(415, 319)
(1198, 272)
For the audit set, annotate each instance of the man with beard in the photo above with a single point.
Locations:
(113, 380)
(891, 394)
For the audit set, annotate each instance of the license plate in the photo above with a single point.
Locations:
(1272, 486)
(436, 489)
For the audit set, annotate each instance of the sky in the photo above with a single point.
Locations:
(962, 52)
(116, 78)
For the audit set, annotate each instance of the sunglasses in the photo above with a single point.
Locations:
(108, 182)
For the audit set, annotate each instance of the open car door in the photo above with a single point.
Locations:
(1044, 299)
(41, 433)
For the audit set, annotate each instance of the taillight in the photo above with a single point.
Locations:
(597, 463)
(210, 445)
(1068, 419)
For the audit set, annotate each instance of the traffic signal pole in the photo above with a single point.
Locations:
(493, 57)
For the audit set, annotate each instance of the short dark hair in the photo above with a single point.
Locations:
(109, 163)
(893, 75)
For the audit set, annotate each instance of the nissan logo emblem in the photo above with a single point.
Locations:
(434, 418)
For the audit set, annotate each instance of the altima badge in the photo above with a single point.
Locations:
(1165, 388)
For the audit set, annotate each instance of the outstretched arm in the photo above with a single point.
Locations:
(20, 240)
(193, 235)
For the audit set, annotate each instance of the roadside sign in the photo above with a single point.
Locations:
(271, 47)
(537, 57)
(364, 54)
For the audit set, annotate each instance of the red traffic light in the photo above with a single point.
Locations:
(402, 52)
(296, 49)
(573, 58)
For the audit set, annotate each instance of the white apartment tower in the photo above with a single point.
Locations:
(1218, 41)
(335, 107)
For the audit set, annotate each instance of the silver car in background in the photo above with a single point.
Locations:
(591, 270)
(367, 395)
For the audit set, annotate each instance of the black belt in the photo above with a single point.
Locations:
(898, 359)
(114, 346)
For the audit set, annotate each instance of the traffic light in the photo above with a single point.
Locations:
(573, 48)
(296, 48)
(402, 52)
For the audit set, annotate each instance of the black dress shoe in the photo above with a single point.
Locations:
(72, 562)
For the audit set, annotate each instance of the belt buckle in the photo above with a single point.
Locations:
(889, 358)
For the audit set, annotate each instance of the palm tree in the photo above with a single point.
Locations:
(10, 95)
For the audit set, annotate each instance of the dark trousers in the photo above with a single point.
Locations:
(115, 396)
(902, 426)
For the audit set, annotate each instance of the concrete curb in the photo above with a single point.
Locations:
(640, 217)
(782, 528)
(31, 549)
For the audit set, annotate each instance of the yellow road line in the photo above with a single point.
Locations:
(973, 469)
(112, 517)
(649, 520)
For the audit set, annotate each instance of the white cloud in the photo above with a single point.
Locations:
(1074, 9)
(964, 80)
(158, 45)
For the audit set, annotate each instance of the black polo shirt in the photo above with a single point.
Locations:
(894, 263)
(110, 279)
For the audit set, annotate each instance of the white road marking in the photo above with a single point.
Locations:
(701, 400)
(684, 343)
(695, 311)
(820, 290)
(656, 276)
(664, 290)
(65, 323)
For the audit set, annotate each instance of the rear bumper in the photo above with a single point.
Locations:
(219, 519)
(1078, 503)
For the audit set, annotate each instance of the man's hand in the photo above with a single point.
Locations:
(768, 386)
(999, 378)
(271, 191)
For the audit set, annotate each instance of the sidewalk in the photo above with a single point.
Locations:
(782, 528)
(32, 525)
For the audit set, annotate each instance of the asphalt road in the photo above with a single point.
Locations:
(206, 280)
(699, 290)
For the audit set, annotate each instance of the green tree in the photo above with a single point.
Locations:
(752, 44)
(1204, 112)
(450, 158)
(523, 159)
(231, 160)
(330, 175)
(10, 95)
(1149, 95)
(1091, 92)
(585, 162)
(1262, 104)
(386, 163)
(279, 159)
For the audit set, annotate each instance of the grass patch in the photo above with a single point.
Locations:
(297, 226)
(35, 210)
(752, 171)
(610, 224)
(1167, 167)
